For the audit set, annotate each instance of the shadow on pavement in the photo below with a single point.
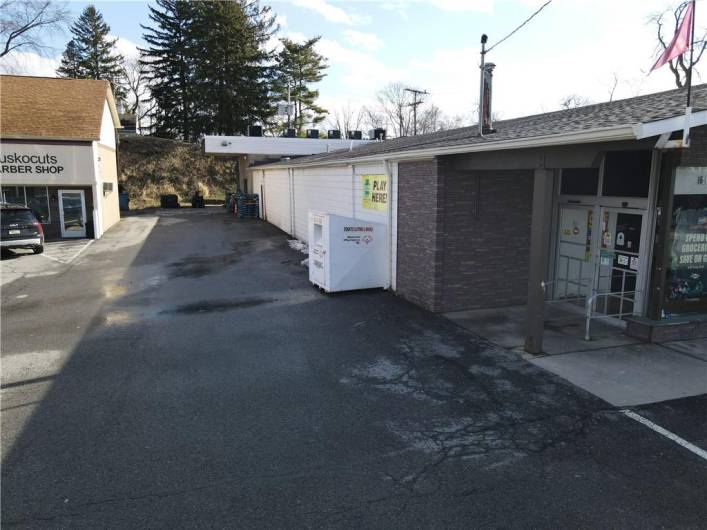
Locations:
(211, 385)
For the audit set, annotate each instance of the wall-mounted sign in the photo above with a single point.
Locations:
(690, 181)
(17, 163)
(374, 194)
(46, 163)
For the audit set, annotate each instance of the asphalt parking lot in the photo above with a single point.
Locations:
(182, 372)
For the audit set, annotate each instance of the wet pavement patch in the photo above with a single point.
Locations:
(199, 266)
(215, 306)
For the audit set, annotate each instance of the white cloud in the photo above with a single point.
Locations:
(464, 5)
(281, 20)
(332, 13)
(367, 41)
(359, 72)
(125, 47)
(29, 63)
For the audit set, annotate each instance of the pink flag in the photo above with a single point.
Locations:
(681, 41)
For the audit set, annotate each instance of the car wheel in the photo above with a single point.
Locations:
(38, 249)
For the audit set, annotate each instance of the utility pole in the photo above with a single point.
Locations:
(414, 104)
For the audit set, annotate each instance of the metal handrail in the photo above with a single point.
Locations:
(590, 303)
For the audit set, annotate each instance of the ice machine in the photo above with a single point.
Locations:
(347, 254)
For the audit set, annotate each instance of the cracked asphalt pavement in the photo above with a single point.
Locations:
(182, 373)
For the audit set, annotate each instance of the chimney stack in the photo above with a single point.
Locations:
(487, 93)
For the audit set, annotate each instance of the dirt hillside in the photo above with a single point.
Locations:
(149, 167)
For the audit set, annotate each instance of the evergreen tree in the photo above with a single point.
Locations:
(94, 53)
(298, 66)
(233, 73)
(71, 62)
(169, 62)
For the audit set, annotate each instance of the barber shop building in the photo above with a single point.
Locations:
(58, 153)
(593, 213)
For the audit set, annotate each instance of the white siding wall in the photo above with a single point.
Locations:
(289, 194)
(276, 191)
(325, 189)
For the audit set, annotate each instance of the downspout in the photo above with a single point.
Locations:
(389, 174)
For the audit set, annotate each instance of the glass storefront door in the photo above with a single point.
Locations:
(599, 255)
(72, 213)
(574, 267)
(619, 261)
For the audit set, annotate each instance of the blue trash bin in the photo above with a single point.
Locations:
(124, 201)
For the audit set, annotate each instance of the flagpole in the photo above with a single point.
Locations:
(688, 107)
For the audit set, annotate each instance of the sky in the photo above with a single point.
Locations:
(571, 47)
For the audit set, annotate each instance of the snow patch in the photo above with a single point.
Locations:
(296, 244)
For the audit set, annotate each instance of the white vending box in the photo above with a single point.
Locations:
(347, 254)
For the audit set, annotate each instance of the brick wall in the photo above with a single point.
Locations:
(463, 236)
(485, 247)
(418, 228)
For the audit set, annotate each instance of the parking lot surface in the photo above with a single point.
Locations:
(182, 372)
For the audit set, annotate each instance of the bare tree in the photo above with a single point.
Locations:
(138, 101)
(394, 104)
(24, 24)
(612, 86)
(346, 118)
(373, 118)
(681, 64)
(572, 101)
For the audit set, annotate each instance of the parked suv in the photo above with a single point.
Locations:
(20, 228)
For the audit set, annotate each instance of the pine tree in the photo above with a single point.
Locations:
(233, 73)
(298, 66)
(94, 53)
(71, 62)
(170, 61)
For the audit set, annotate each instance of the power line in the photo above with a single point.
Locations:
(414, 105)
(523, 24)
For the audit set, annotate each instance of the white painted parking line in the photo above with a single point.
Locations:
(69, 260)
(671, 436)
(80, 250)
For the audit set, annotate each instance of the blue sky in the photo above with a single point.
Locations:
(573, 46)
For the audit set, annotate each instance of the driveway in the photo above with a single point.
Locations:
(182, 372)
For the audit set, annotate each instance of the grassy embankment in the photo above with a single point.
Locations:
(149, 167)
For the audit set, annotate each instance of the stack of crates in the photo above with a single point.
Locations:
(248, 206)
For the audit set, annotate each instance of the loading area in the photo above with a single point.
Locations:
(196, 377)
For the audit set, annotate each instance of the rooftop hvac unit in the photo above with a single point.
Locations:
(354, 135)
(334, 134)
(346, 254)
(313, 133)
(255, 130)
(290, 133)
(377, 134)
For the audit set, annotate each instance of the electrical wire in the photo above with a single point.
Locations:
(523, 24)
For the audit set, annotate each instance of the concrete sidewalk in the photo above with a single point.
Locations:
(613, 366)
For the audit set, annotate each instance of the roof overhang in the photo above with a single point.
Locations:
(113, 108)
(274, 145)
(40, 139)
(669, 125)
(607, 134)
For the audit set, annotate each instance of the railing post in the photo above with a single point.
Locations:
(588, 314)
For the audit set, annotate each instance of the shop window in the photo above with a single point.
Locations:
(14, 194)
(627, 174)
(580, 181)
(38, 202)
(687, 270)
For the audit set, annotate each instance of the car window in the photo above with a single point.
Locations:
(17, 216)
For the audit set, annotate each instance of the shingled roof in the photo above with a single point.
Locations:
(602, 116)
(52, 108)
